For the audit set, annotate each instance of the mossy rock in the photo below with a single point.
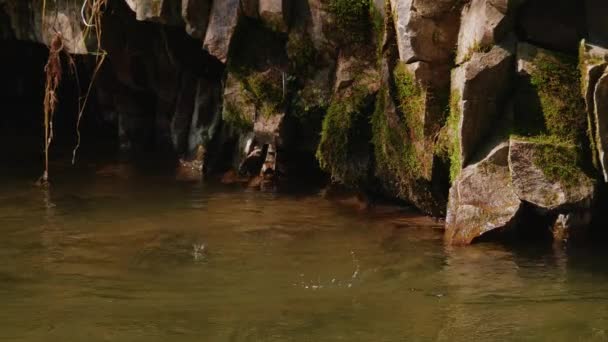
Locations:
(343, 150)
(553, 76)
(352, 20)
(546, 171)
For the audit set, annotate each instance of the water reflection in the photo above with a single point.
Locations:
(106, 259)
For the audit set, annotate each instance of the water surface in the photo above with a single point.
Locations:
(117, 256)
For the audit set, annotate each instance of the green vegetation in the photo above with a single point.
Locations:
(343, 126)
(301, 52)
(263, 88)
(411, 98)
(378, 25)
(554, 77)
(393, 148)
(234, 116)
(453, 147)
(557, 158)
(477, 47)
(352, 19)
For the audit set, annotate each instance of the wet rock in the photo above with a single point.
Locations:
(479, 90)
(483, 24)
(253, 162)
(571, 225)
(347, 197)
(482, 199)
(224, 17)
(547, 176)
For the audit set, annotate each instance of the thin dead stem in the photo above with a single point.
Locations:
(95, 8)
(53, 71)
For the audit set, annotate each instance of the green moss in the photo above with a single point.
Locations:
(234, 116)
(559, 159)
(477, 47)
(352, 19)
(393, 149)
(301, 52)
(554, 78)
(453, 147)
(341, 133)
(264, 89)
(411, 98)
(377, 20)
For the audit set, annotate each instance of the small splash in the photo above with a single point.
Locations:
(199, 251)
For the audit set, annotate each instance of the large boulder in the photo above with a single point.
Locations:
(223, 20)
(479, 90)
(546, 174)
(482, 199)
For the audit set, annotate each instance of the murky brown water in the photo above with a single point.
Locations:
(105, 258)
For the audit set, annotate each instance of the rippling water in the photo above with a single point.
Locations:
(102, 257)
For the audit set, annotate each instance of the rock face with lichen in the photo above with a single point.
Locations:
(473, 109)
(482, 199)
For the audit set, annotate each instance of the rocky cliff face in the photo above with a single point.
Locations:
(494, 109)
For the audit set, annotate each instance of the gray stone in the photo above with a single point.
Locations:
(482, 199)
(224, 18)
(426, 29)
(534, 186)
(481, 85)
(483, 24)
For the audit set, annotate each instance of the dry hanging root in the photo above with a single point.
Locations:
(95, 9)
(52, 72)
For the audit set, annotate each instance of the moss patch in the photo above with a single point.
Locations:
(378, 25)
(558, 159)
(411, 101)
(234, 116)
(393, 150)
(352, 19)
(554, 78)
(477, 47)
(453, 144)
(301, 52)
(342, 150)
